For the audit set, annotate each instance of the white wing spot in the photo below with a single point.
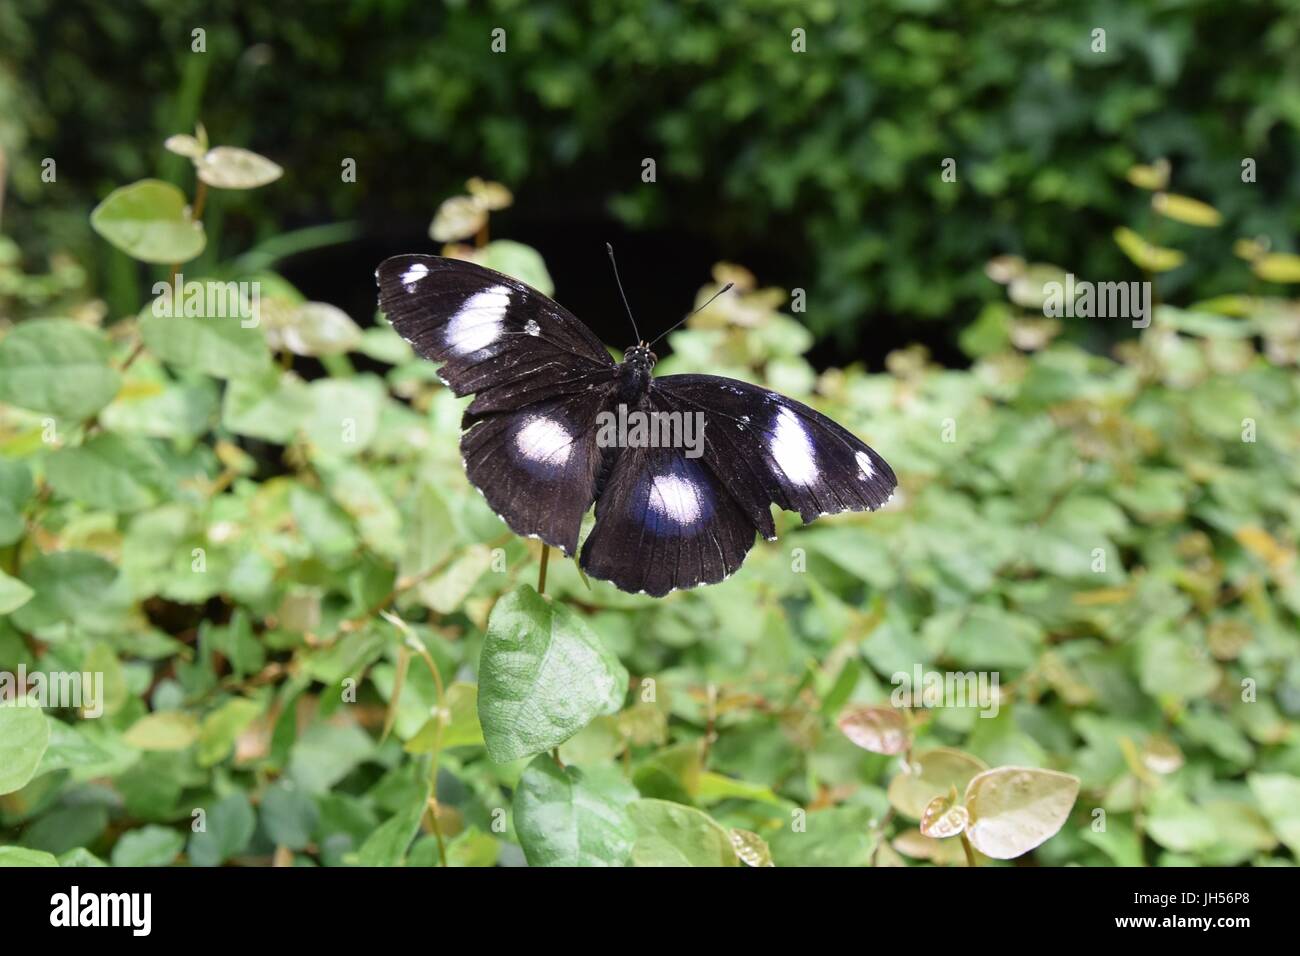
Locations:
(675, 498)
(478, 323)
(532, 328)
(792, 449)
(414, 274)
(545, 441)
(864, 462)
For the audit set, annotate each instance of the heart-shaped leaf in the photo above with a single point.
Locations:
(671, 834)
(150, 221)
(565, 817)
(1014, 809)
(882, 730)
(229, 167)
(933, 773)
(56, 366)
(543, 676)
(24, 735)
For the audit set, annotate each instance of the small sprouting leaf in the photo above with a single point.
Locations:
(882, 730)
(751, 848)
(1144, 255)
(933, 774)
(543, 676)
(182, 144)
(489, 195)
(1014, 809)
(944, 817)
(671, 834)
(56, 366)
(1277, 267)
(565, 817)
(24, 735)
(1184, 209)
(230, 167)
(150, 221)
(457, 218)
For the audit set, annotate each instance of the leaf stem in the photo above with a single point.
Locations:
(541, 572)
(968, 849)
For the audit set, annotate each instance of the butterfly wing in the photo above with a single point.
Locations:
(496, 336)
(539, 378)
(664, 521)
(766, 448)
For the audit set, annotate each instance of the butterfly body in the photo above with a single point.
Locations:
(679, 497)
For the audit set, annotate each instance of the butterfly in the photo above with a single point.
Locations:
(669, 514)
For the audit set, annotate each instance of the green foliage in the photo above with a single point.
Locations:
(310, 641)
(827, 161)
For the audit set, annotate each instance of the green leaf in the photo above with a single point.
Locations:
(15, 491)
(20, 856)
(222, 727)
(68, 586)
(218, 346)
(148, 846)
(13, 593)
(56, 366)
(1014, 809)
(24, 735)
(150, 221)
(543, 676)
(670, 834)
(1184, 209)
(1282, 267)
(112, 472)
(519, 262)
(164, 730)
(840, 836)
(230, 167)
(228, 828)
(289, 815)
(387, 846)
(565, 817)
(1278, 795)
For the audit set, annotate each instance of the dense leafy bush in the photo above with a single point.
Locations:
(319, 646)
(823, 167)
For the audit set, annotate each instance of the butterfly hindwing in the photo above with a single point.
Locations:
(768, 449)
(664, 521)
(537, 467)
(496, 336)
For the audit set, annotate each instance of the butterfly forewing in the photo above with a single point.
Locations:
(495, 336)
(768, 449)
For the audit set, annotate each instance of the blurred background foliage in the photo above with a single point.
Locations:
(821, 170)
(295, 621)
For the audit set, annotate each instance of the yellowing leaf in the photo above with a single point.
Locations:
(1184, 209)
(164, 730)
(1152, 177)
(1014, 809)
(229, 167)
(1145, 255)
(1277, 267)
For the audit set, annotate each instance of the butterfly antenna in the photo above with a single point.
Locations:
(693, 311)
(620, 290)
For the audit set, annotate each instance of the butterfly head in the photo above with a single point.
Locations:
(640, 357)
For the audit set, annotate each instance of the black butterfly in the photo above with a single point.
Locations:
(541, 380)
